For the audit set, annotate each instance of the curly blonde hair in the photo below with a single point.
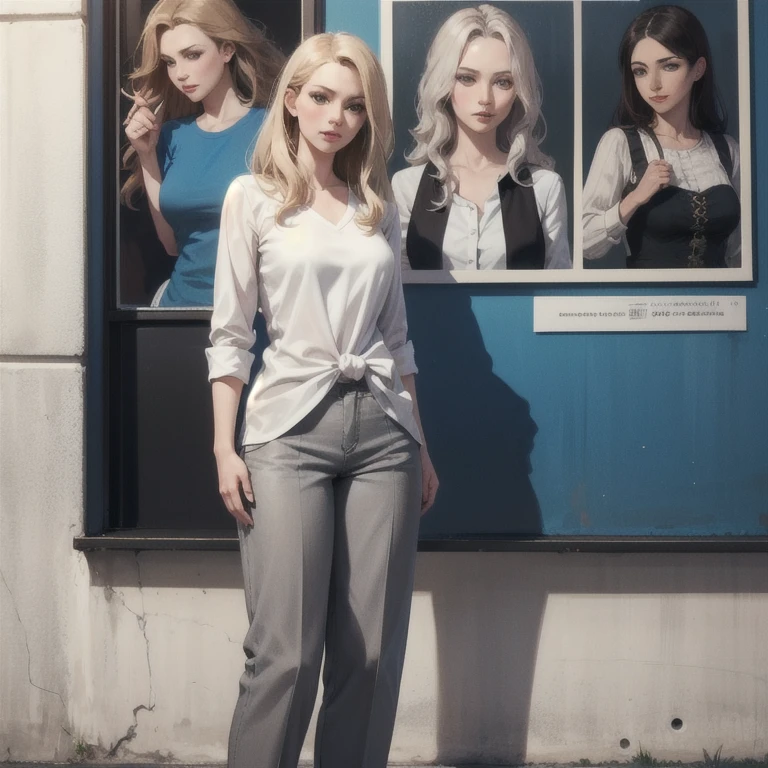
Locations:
(254, 67)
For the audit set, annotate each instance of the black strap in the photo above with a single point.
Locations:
(523, 234)
(636, 153)
(426, 229)
(638, 157)
(723, 152)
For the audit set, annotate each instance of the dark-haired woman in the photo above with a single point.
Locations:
(666, 179)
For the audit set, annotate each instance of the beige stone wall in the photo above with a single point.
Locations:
(42, 268)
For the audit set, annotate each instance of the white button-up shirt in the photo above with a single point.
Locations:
(477, 242)
(695, 169)
(332, 297)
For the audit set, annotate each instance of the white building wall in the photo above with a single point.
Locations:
(42, 267)
(511, 657)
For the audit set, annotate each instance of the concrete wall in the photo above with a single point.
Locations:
(511, 656)
(42, 269)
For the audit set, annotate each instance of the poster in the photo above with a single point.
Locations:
(574, 45)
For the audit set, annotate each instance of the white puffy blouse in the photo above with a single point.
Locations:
(332, 298)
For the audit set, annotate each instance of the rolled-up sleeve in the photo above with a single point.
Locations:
(392, 321)
(236, 290)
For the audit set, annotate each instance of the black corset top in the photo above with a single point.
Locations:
(679, 228)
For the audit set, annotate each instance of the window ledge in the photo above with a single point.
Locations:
(226, 541)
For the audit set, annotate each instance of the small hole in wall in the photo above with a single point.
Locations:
(677, 724)
(624, 743)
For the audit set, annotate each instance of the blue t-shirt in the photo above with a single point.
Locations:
(197, 168)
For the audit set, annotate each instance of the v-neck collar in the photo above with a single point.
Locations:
(346, 217)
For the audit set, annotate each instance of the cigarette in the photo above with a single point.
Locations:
(157, 108)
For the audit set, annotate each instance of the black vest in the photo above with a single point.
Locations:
(678, 228)
(523, 235)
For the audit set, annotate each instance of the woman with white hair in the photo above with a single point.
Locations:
(480, 194)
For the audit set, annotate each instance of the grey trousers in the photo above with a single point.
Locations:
(328, 564)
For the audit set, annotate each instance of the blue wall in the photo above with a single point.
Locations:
(632, 434)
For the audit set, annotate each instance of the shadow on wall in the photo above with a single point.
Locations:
(480, 431)
(490, 611)
(481, 436)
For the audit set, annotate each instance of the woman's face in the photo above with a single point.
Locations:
(194, 61)
(484, 91)
(663, 79)
(330, 108)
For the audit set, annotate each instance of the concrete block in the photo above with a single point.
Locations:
(42, 188)
(161, 654)
(557, 658)
(41, 503)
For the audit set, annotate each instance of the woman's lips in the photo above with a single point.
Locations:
(330, 135)
(484, 117)
(659, 99)
(188, 88)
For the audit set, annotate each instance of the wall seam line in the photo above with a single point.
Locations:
(11, 17)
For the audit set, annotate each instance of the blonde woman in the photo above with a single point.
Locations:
(203, 77)
(334, 469)
(480, 193)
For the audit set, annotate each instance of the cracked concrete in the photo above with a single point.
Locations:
(41, 497)
(181, 634)
(141, 620)
(130, 734)
(26, 645)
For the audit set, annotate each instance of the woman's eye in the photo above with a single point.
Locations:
(194, 56)
(671, 67)
(465, 79)
(318, 98)
(356, 109)
(505, 83)
(638, 72)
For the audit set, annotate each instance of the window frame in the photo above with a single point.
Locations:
(104, 317)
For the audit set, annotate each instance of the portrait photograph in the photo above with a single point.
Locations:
(665, 140)
(176, 156)
(482, 99)
(535, 144)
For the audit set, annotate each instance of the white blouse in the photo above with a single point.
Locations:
(694, 169)
(332, 297)
(477, 242)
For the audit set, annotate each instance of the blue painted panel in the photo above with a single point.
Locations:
(630, 434)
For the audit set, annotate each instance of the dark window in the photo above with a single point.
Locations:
(149, 458)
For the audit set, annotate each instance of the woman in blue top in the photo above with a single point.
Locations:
(204, 74)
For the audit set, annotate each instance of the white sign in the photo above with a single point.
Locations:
(580, 314)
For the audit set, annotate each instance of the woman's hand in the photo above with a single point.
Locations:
(233, 476)
(429, 481)
(657, 176)
(142, 126)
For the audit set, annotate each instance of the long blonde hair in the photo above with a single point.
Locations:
(523, 130)
(254, 67)
(362, 164)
